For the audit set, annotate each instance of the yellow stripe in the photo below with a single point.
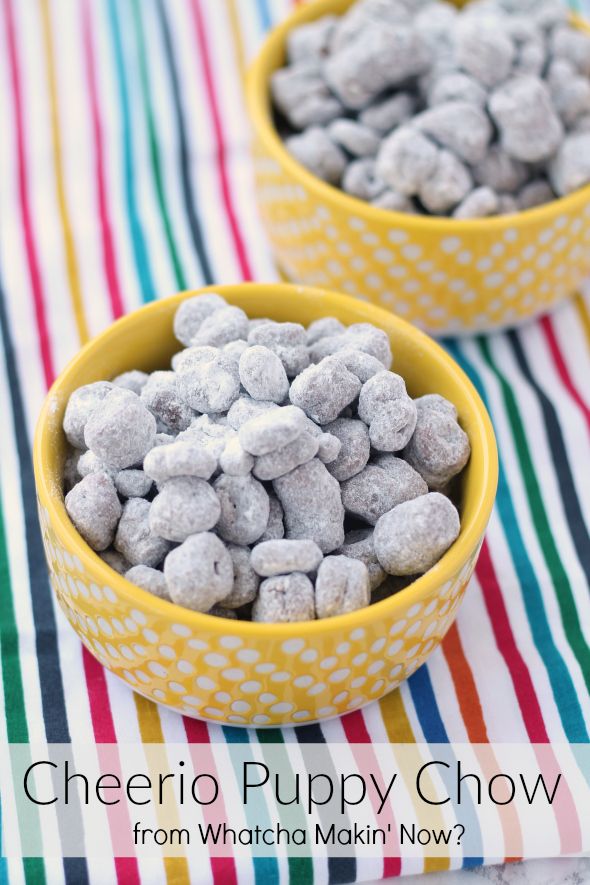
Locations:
(583, 315)
(399, 731)
(150, 728)
(236, 32)
(71, 261)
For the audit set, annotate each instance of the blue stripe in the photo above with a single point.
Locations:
(560, 678)
(264, 14)
(137, 237)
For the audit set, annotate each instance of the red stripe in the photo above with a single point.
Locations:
(465, 687)
(23, 191)
(203, 49)
(108, 248)
(562, 368)
(521, 679)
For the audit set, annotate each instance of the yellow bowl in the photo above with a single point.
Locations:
(237, 672)
(445, 275)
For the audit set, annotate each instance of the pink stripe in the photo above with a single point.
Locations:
(104, 733)
(197, 734)
(562, 368)
(108, 248)
(203, 51)
(356, 733)
(23, 191)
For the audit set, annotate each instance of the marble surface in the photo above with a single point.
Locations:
(556, 871)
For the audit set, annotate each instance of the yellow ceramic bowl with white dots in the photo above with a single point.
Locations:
(445, 275)
(237, 672)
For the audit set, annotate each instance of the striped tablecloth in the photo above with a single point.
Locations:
(124, 176)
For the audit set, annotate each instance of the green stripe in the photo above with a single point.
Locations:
(560, 580)
(14, 699)
(155, 148)
(300, 868)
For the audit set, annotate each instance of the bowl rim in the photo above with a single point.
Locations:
(258, 103)
(449, 564)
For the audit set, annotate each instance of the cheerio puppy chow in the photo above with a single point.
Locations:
(280, 475)
(428, 109)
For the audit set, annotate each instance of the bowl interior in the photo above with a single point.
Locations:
(144, 340)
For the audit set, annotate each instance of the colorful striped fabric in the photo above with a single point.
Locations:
(125, 175)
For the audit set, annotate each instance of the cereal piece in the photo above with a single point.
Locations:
(150, 579)
(192, 313)
(209, 382)
(439, 448)
(436, 22)
(271, 430)
(134, 380)
(115, 560)
(457, 86)
(358, 544)
(406, 159)
(570, 168)
(71, 473)
(388, 113)
(199, 573)
(486, 53)
(449, 184)
(81, 405)
(342, 586)
(181, 458)
(572, 99)
(245, 408)
(572, 44)
(234, 460)
(284, 599)
(360, 180)
(312, 505)
(324, 390)
(275, 528)
(356, 138)
(135, 539)
(287, 340)
(282, 557)
(582, 124)
(376, 58)
(409, 482)
(263, 375)
(461, 127)
(388, 410)
(89, 463)
(366, 12)
(302, 96)
(413, 536)
(531, 58)
(322, 328)
(221, 327)
(184, 506)
(361, 364)
(315, 150)
(355, 447)
(328, 447)
(480, 203)
(161, 395)
(360, 336)
(394, 202)
(499, 171)
(132, 483)
(244, 508)
(246, 580)
(372, 492)
(549, 13)
(506, 204)
(122, 431)
(310, 40)
(530, 130)
(535, 193)
(209, 432)
(94, 508)
(274, 464)
(234, 349)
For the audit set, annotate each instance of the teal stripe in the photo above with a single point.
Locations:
(266, 869)
(560, 679)
(135, 228)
